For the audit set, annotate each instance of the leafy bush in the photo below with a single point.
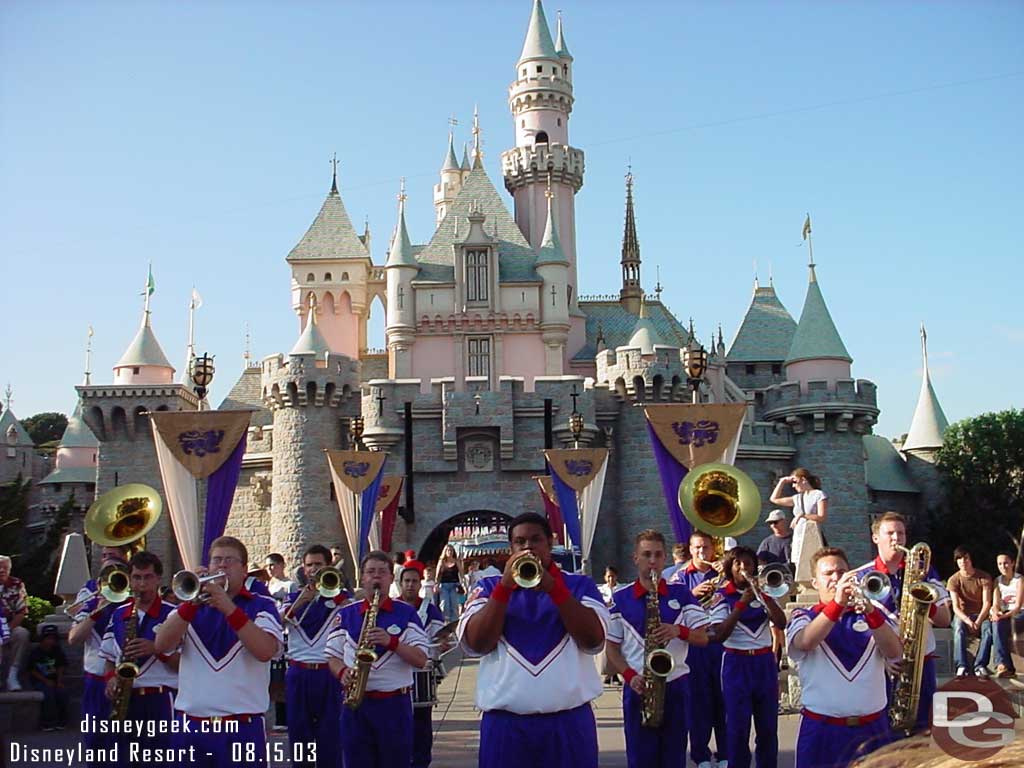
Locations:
(38, 609)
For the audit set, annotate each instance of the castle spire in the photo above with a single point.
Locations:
(451, 162)
(631, 292)
(478, 151)
(816, 337)
(929, 422)
(311, 341)
(551, 246)
(560, 46)
(400, 254)
(334, 174)
(88, 359)
(538, 44)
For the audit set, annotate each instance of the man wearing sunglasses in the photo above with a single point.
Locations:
(777, 545)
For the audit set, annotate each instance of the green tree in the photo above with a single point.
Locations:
(13, 517)
(982, 466)
(44, 427)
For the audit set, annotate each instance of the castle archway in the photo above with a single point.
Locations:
(465, 525)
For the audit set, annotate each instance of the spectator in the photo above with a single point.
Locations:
(280, 585)
(970, 590)
(611, 583)
(490, 569)
(450, 573)
(46, 665)
(680, 557)
(777, 546)
(14, 605)
(810, 509)
(1007, 600)
(428, 589)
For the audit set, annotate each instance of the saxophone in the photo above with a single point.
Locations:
(916, 600)
(126, 670)
(658, 663)
(365, 655)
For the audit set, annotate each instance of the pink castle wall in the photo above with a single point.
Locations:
(523, 356)
(75, 457)
(808, 370)
(433, 357)
(338, 323)
(148, 374)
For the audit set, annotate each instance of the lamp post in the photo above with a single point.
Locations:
(695, 360)
(201, 372)
(356, 426)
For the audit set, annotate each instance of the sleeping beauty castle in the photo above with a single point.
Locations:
(490, 349)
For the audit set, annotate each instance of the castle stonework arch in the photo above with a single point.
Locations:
(459, 525)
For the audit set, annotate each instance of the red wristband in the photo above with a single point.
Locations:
(340, 598)
(188, 611)
(834, 611)
(629, 674)
(341, 674)
(559, 593)
(163, 657)
(684, 632)
(742, 606)
(875, 619)
(393, 643)
(501, 593)
(932, 610)
(237, 619)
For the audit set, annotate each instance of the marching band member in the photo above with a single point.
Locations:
(90, 625)
(378, 733)
(536, 680)
(682, 623)
(707, 708)
(840, 646)
(749, 672)
(410, 580)
(889, 533)
(226, 645)
(152, 690)
(313, 693)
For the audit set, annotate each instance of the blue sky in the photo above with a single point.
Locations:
(198, 136)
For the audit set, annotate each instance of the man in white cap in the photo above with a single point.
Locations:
(777, 545)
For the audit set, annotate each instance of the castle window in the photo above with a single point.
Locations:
(476, 276)
(524, 71)
(559, 122)
(327, 276)
(135, 371)
(542, 137)
(750, 369)
(540, 69)
(479, 350)
(310, 278)
(565, 70)
(776, 369)
(344, 276)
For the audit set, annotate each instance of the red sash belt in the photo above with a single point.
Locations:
(749, 651)
(387, 694)
(220, 718)
(849, 722)
(149, 690)
(92, 676)
(307, 664)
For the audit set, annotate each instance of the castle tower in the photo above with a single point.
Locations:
(762, 341)
(310, 393)
(541, 100)
(19, 450)
(116, 414)
(923, 441)
(74, 467)
(447, 189)
(631, 294)
(333, 262)
(817, 351)
(401, 268)
(553, 268)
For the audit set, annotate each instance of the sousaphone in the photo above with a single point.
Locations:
(720, 500)
(123, 516)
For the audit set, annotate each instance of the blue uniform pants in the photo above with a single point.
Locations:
(707, 707)
(826, 745)
(95, 704)
(313, 697)
(566, 739)
(378, 734)
(155, 707)
(422, 736)
(663, 747)
(218, 743)
(753, 686)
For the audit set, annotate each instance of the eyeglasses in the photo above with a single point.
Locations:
(774, 522)
(228, 560)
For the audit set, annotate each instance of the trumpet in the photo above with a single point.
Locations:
(188, 586)
(774, 580)
(873, 586)
(114, 586)
(326, 581)
(526, 571)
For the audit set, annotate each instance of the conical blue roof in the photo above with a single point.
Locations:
(311, 341)
(561, 48)
(766, 333)
(550, 246)
(816, 337)
(77, 434)
(144, 349)
(401, 253)
(538, 44)
(929, 423)
(451, 162)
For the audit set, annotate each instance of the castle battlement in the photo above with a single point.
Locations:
(844, 403)
(300, 380)
(531, 165)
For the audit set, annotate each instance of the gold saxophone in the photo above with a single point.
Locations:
(126, 670)
(658, 663)
(915, 602)
(365, 655)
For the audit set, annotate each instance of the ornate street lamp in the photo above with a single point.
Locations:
(356, 426)
(695, 360)
(201, 372)
(575, 420)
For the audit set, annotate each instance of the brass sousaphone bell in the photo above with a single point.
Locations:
(720, 500)
(123, 516)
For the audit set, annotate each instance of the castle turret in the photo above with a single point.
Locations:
(817, 351)
(929, 422)
(144, 362)
(333, 262)
(310, 393)
(631, 294)
(401, 269)
(553, 268)
(762, 342)
(447, 189)
(74, 467)
(541, 100)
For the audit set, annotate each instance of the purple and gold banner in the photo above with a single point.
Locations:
(201, 440)
(357, 477)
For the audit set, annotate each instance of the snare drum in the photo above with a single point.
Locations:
(424, 687)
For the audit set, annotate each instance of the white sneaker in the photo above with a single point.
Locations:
(723, 764)
(961, 671)
(981, 672)
(705, 764)
(12, 681)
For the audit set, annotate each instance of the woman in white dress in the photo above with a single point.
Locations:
(810, 509)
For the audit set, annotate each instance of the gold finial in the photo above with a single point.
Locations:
(334, 173)
(478, 153)
(547, 190)
(401, 191)
(312, 307)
